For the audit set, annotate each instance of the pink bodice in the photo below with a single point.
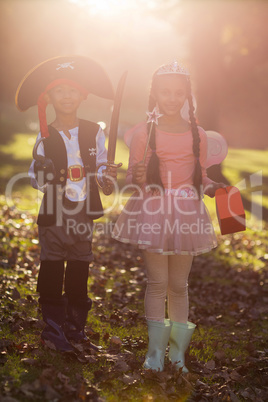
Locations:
(175, 151)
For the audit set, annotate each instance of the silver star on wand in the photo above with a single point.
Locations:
(153, 116)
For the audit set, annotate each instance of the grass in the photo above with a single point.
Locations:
(248, 170)
(16, 374)
(248, 249)
(211, 337)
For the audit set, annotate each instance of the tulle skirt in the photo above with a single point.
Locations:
(166, 224)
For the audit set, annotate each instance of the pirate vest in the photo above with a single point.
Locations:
(54, 197)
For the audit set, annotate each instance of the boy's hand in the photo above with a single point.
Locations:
(139, 173)
(211, 188)
(110, 171)
(109, 179)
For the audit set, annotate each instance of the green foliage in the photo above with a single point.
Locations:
(243, 167)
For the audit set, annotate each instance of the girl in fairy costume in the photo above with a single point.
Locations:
(166, 216)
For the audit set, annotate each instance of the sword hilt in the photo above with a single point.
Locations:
(36, 156)
(107, 185)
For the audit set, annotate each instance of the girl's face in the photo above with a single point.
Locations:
(170, 92)
(65, 98)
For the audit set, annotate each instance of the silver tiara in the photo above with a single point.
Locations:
(172, 68)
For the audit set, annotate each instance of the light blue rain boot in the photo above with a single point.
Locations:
(179, 340)
(159, 333)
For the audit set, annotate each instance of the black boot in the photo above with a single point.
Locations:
(53, 305)
(79, 303)
(54, 315)
(76, 319)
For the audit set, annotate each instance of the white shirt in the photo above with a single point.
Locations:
(75, 191)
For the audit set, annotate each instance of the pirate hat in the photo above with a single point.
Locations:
(84, 71)
(79, 71)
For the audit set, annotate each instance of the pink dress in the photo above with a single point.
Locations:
(174, 221)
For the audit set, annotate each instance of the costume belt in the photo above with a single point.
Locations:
(76, 172)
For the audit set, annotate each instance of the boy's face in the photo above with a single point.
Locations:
(65, 98)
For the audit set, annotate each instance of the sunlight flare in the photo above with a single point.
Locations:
(106, 7)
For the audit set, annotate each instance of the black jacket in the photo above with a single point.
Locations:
(54, 196)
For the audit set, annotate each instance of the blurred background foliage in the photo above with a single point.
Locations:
(223, 43)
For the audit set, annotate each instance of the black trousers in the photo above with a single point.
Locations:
(52, 276)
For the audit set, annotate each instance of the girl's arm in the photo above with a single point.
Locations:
(136, 172)
(209, 185)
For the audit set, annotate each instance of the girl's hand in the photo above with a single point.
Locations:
(212, 187)
(139, 173)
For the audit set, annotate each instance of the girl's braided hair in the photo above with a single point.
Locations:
(153, 173)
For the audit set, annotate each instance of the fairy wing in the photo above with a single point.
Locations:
(129, 134)
(217, 148)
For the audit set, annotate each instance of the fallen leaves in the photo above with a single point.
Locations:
(228, 354)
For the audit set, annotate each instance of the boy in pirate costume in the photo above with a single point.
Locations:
(65, 158)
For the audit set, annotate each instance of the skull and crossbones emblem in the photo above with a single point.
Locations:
(68, 64)
(93, 151)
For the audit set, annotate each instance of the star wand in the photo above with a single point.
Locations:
(152, 118)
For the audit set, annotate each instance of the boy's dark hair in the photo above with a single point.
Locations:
(153, 173)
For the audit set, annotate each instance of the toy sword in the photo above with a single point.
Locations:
(106, 185)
